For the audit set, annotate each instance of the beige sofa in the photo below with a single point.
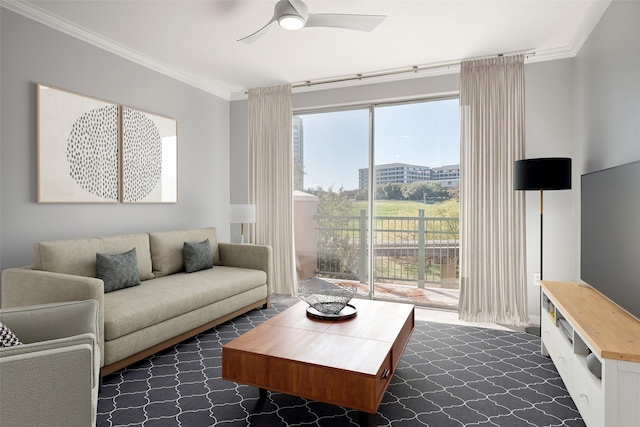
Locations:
(168, 306)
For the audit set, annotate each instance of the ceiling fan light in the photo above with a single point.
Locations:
(291, 22)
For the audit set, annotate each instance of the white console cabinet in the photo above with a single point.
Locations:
(593, 324)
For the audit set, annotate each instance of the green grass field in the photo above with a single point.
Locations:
(394, 208)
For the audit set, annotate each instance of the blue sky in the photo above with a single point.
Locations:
(336, 144)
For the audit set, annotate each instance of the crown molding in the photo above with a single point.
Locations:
(44, 17)
(598, 8)
(38, 14)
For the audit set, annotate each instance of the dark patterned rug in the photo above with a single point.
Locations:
(449, 375)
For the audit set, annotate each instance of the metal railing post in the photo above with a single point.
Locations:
(421, 241)
(362, 268)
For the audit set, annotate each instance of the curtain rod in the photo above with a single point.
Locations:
(413, 69)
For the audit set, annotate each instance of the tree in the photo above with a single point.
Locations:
(390, 191)
(449, 209)
(435, 192)
(359, 194)
(331, 203)
(336, 250)
(425, 191)
(415, 190)
(298, 176)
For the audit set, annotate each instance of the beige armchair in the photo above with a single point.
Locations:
(53, 377)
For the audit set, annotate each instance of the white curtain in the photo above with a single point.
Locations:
(492, 215)
(270, 178)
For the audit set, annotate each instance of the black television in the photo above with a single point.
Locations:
(610, 234)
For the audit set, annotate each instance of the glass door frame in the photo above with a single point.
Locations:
(371, 190)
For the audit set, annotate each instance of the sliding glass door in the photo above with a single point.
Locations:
(330, 212)
(399, 161)
(416, 208)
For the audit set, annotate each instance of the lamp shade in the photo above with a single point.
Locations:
(547, 173)
(242, 214)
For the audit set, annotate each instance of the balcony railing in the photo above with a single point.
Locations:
(406, 249)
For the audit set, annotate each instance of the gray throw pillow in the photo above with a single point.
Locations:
(118, 271)
(7, 338)
(197, 256)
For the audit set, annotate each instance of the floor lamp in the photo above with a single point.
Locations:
(548, 173)
(242, 214)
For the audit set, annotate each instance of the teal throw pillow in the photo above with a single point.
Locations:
(197, 256)
(118, 271)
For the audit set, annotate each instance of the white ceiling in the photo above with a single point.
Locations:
(195, 41)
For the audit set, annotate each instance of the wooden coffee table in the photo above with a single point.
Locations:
(347, 363)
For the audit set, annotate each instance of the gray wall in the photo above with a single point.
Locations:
(587, 108)
(608, 90)
(549, 121)
(549, 125)
(433, 86)
(34, 53)
(607, 99)
(239, 158)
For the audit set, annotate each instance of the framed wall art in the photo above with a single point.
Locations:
(78, 136)
(149, 158)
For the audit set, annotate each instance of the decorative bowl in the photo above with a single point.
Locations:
(328, 301)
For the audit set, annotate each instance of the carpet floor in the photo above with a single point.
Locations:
(449, 375)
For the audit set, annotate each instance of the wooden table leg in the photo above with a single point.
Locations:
(263, 395)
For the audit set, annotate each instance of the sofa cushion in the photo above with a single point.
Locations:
(78, 256)
(163, 298)
(118, 271)
(197, 256)
(167, 246)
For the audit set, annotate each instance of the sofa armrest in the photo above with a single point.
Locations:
(24, 349)
(26, 287)
(258, 257)
(58, 390)
(58, 343)
(44, 322)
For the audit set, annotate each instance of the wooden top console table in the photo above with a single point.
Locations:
(578, 320)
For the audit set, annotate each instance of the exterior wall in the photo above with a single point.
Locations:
(305, 207)
(34, 53)
(447, 176)
(401, 173)
(446, 173)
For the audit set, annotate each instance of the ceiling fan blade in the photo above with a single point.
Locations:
(300, 7)
(255, 36)
(350, 22)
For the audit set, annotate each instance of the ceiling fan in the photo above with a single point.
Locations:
(293, 15)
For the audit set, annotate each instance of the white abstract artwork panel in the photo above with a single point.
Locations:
(78, 159)
(149, 161)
